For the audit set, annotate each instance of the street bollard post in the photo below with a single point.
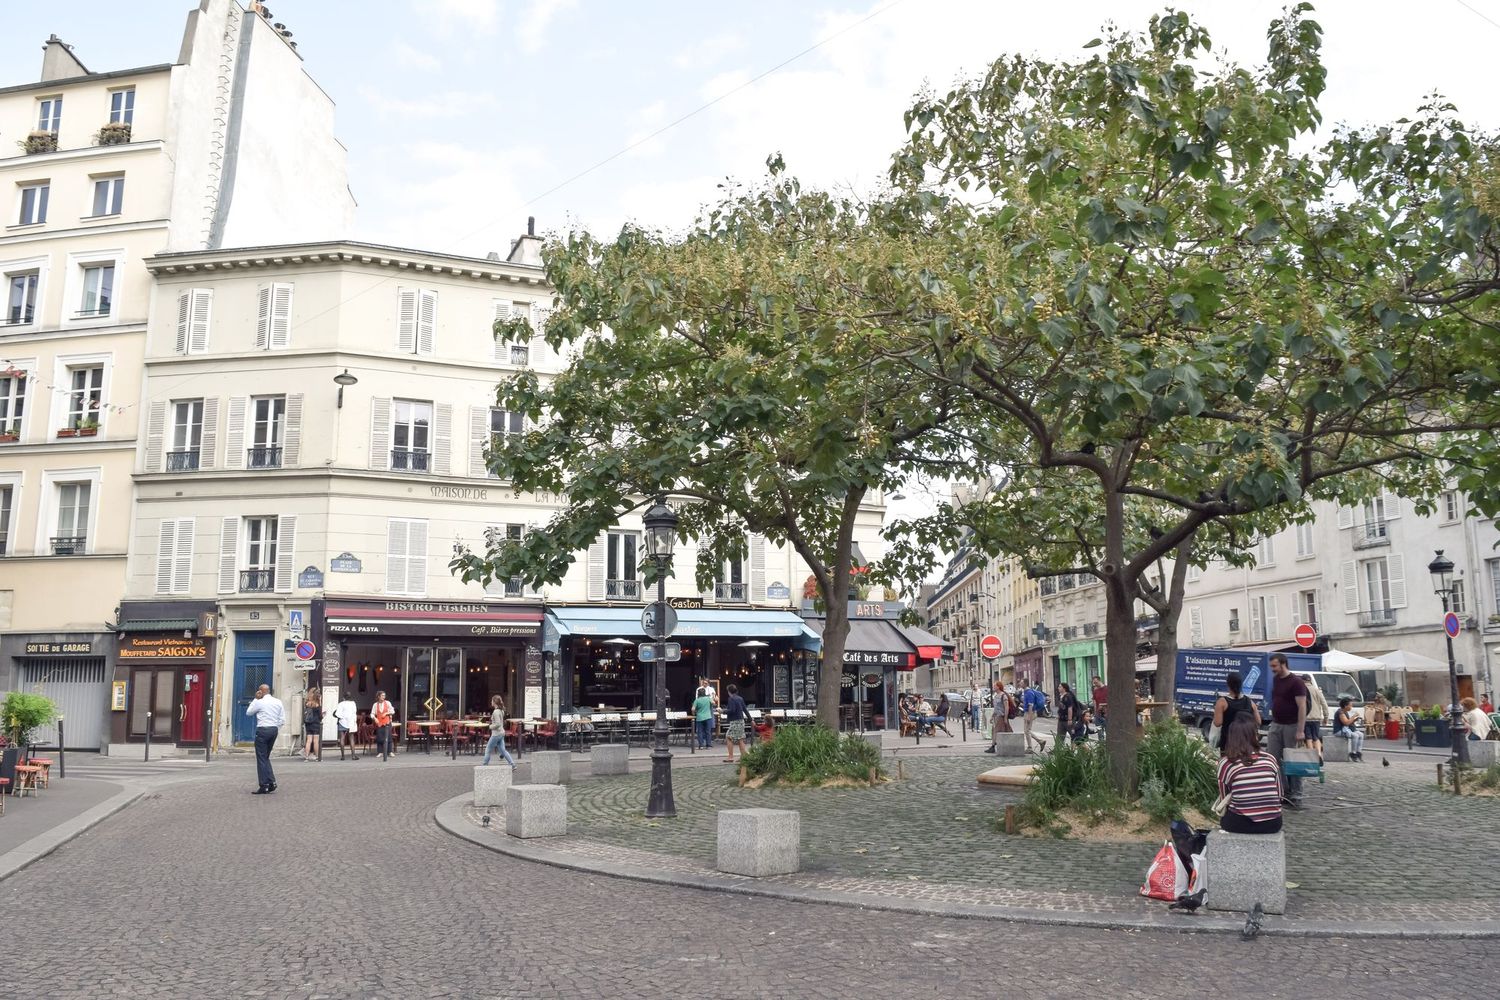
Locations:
(62, 758)
(148, 736)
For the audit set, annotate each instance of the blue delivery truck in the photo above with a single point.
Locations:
(1201, 673)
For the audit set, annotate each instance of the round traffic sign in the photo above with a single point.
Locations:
(306, 650)
(990, 646)
(1305, 635)
(1452, 625)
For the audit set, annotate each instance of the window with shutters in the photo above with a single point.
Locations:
(267, 432)
(411, 435)
(503, 423)
(12, 402)
(733, 586)
(1305, 540)
(273, 317)
(1234, 619)
(186, 447)
(1264, 623)
(621, 581)
(416, 320)
(1195, 625)
(506, 535)
(109, 195)
(70, 537)
(194, 311)
(1493, 566)
(1265, 552)
(174, 556)
(406, 557)
(1457, 604)
(1449, 506)
(85, 397)
(1382, 590)
(1194, 574)
(1307, 603)
(258, 572)
(8, 492)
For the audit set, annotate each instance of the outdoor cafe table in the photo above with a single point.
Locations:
(430, 726)
(1143, 710)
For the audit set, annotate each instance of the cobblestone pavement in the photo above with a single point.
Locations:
(341, 885)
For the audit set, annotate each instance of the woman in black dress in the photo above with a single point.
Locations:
(1229, 707)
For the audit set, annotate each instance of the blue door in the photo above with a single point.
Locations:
(252, 668)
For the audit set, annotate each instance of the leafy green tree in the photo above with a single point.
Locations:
(1153, 280)
(737, 369)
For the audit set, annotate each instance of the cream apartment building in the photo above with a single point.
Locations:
(98, 171)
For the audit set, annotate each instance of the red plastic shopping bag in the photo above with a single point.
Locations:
(1167, 878)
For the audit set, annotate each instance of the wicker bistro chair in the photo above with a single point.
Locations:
(637, 728)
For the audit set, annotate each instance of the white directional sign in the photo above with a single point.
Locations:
(647, 652)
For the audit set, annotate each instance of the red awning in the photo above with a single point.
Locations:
(930, 652)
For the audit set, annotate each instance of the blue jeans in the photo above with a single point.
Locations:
(497, 742)
(265, 739)
(705, 729)
(974, 717)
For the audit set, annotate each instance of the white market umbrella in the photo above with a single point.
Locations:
(1337, 659)
(1400, 659)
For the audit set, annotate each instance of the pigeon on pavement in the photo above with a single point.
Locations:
(1384, 762)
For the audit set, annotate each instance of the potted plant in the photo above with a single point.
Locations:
(23, 714)
(39, 142)
(113, 134)
(1431, 727)
(88, 427)
(9, 434)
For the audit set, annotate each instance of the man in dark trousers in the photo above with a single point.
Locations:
(270, 716)
(1288, 721)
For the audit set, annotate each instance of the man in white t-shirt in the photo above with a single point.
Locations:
(346, 716)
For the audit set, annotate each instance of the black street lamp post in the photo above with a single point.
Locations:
(661, 533)
(1441, 569)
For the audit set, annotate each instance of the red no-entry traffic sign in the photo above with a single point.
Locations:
(990, 646)
(1305, 635)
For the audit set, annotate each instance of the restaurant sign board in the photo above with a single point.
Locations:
(163, 647)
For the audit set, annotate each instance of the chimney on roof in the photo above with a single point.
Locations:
(527, 249)
(59, 62)
(492, 255)
(530, 225)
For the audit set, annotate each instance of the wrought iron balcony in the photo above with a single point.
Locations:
(622, 590)
(1377, 618)
(1371, 535)
(183, 461)
(409, 459)
(731, 592)
(70, 545)
(264, 457)
(257, 581)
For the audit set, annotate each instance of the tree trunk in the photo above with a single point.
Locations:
(1165, 687)
(831, 676)
(1119, 656)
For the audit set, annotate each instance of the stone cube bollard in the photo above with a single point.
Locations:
(609, 758)
(1010, 744)
(1336, 749)
(536, 811)
(1245, 869)
(551, 767)
(875, 739)
(759, 842)
(491, 782)
(1484, 753)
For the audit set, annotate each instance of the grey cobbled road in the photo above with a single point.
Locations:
(341, 885)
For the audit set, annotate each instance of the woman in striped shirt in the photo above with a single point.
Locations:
(1251, 779)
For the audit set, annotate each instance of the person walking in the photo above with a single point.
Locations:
(1100, 697)
(1068, 713)
(383, 712)
(497, 733)
(1228, 707)
(346, 718)
(1032, 704)
(976, 705)
(270, 716)
(999, 718)
(312, 726)
(703, 719)
(1288, 722)
(735, 716)
(1317, 714)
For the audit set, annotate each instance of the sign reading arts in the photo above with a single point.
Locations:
(163, 647)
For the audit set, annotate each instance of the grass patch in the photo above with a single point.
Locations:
(811, 755)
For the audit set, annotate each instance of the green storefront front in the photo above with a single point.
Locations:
(1078, 663)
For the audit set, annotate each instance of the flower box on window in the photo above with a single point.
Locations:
(7, 437)
(40, 142)
(113, 134)
(81, 431)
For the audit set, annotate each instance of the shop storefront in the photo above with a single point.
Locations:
(876, 655)
(434, 660)
(163, 675)
(73, 670)
(1028, 668)
(770, 656)
(1079, 662)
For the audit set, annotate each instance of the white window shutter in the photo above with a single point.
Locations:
(442, 439)
(1195, 625)
(182, 562)
(1349, 580)
(166, 553)
(541, 351)
(479, 440)
(757, 580)
(426, 321)
(406, 320)
(1395, 565)
(380, 432)
(263, 318)
(234, 440)
(156, 421)
(184, 310)
(395, 557)
(229, 554)
(502, 346)
(291, 446)
(1392, 504)
(286, 552)
(1273, 618)
(596, 569)
(1346, 517)
(281, 315)
(1256, 635)
(416, 558)
(208, 456)
(203, 300)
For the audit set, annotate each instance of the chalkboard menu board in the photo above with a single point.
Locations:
(782, 684)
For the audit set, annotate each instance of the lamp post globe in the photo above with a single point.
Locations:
(660, 522)
(1441, 569)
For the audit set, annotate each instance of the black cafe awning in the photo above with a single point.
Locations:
(874, 643)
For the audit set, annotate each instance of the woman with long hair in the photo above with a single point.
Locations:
(312, 725)
(1250, 779)
(1229, 707)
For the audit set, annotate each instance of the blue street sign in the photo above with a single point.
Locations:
(294, 621)
(646, 651)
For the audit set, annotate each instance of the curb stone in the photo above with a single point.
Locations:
(450, 818)
(43, 844)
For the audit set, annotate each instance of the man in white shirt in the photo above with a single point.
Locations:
(270, 716)
(346, 716)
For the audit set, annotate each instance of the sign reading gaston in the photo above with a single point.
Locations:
(162, 647)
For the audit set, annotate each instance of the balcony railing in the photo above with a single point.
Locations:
(183, 461)
(731, 592)
(1371, 535)
(266, 456)
(257, 581)
(622, 590)
(69, 545)
(409, 459)
(1377, 618)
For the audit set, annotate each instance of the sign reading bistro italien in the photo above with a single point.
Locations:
(162, 647)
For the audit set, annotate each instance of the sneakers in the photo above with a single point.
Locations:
(989, 749)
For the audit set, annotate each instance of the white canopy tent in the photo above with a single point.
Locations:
(1337, 659)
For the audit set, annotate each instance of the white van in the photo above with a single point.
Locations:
(1335, 685)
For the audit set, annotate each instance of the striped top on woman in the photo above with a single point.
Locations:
(1253, 786)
